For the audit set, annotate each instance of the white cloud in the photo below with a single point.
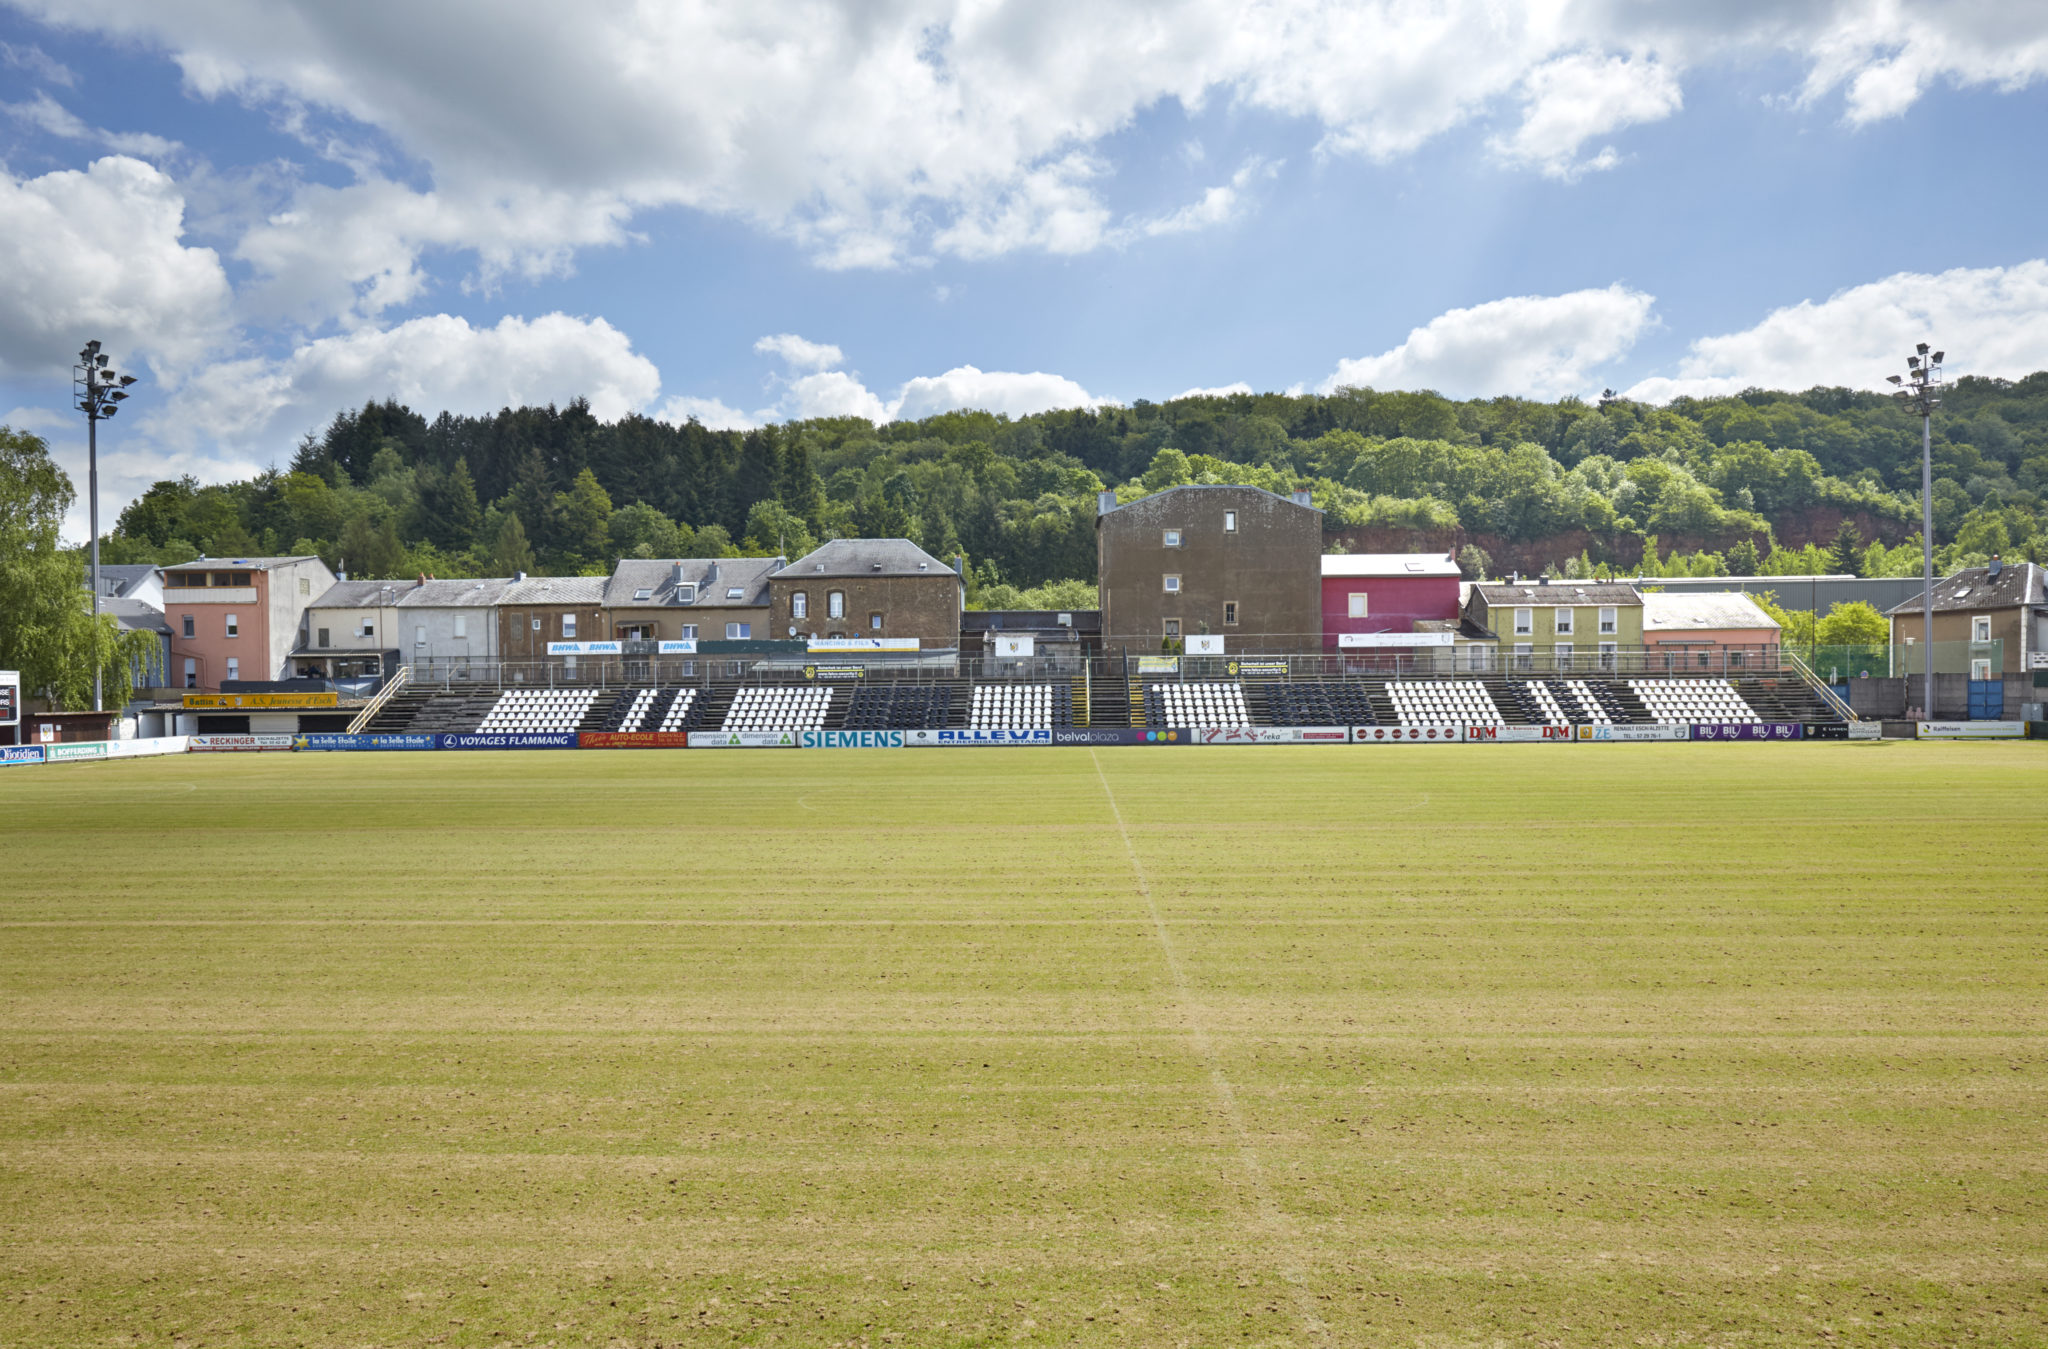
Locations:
(1220, 391)
(1992, 321)
(1578, 98)
(802, 354)
(833, 393)
(714, 414)
(38, 63)
(988, 390)
(1885, 53)
(431, 363)
(98, 253)
(1536, 346)
(48, 115)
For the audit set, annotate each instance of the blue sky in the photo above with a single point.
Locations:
(273, 212)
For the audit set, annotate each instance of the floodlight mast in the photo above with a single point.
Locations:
(1920, 391)
(97, 390)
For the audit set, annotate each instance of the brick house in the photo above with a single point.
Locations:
(868, 588)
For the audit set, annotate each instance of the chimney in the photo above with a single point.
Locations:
(711, 574)
(1997, 566)
(1105, 502)
(675, 574)
(780, 563)
(959, 564)
(1301, 498)
(519, 576)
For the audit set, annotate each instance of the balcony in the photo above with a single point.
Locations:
(174, 595)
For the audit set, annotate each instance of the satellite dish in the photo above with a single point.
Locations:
(792, 629)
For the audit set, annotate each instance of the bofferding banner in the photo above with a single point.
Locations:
(223, 744)
(1120, 735)
(386, 740)
(743, 740)
(850, 740)
(1746, 730)
(1635, 732)
(1407, 735)
(59, 751)
(926, 739)
(505, 740)
(632, 740)
(1561, 735)
(1972, 730)
(1272, 735)
(15, 754)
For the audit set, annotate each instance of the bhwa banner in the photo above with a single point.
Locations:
(632, 740)
(1635, 733)
(929, 739)
(1746, 730)
(850, 740)
(236, 744)
(1407, 735)
(1120, 735)
(510, 740)
(1272, 735)
(341, 740)
(1557, 735)
(584, 648)
(743, 740)
(20, 754)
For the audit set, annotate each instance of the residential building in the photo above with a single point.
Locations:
(692, 599)
(1239, 562)
(868, 588)
(349, 633)
(449, 625)
(366, 629)
(1993, 618)
(132, 594)
(237, 618)
(1384, 595)
(1728, 630)
(536, 610)
(1559, 625)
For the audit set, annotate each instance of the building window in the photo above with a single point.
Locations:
(1358, 605)
(1173, 628)
(191, 673)
(461, 627)
(1525, 622)
(189, 632)
(738, 632)
(799, 605)
(735, 592)
(835, 604)
(1564, 622)
(1608, 621)
(368, 629)
(568, 625)
(1980, 628)
(1171, 538)
(323, 643)
(1608, 656)
(1230, 613)
(689, 632)
(232, 625)
(536, 624)
(1475, 657)
(234, 667)
(644, 593)
(686, 593)
(1525, 656)
(874, 622)
(1563, 652)
(305, 586)
(1173, 585)
(1230, 522)
(419, 634)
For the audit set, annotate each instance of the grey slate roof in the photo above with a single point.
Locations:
(556, 590)
(469, 594)
(1558, 592)
(869, 557)
(118, 578)
(237, 563)
(713, 578)
(1715, 610)
(134, 614)
(355, 594)
(1973, 589)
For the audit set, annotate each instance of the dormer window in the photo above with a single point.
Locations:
(686, 593)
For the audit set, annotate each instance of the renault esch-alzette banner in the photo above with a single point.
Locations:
(1635, 732)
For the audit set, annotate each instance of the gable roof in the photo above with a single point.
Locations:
(714, 579)
(477, 593)
(355, 595)
(1709, 612)
(1388, 564)
(236, 563)
(555, 590)
(867, 557)
(1558, 592)
(1972, 589)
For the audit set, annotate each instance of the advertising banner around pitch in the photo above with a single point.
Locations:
(1407, 735)
(1633, 733)
(1272, 735)
(1972, 730)
(850, 740)
(928, 739)
(1258, 669)
(633, 740)
(1120, 735)
(60, 752)
(1746, 730)
(20, 754)
(339, 740)
(146, 745)
(228, 744)
(245, 702)
(743, 740)
(1865, 730)
(1561, 735)
(584, 648)
(1158, 665)
(506, 740)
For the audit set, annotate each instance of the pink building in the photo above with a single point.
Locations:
(1386, 593)
(237, 618)
(1710, 630)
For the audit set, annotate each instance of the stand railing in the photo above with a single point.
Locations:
(1834, 701)
(376, 704)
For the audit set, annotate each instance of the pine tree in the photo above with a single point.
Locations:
(460, 514)
(1845, 554)
(510, 551)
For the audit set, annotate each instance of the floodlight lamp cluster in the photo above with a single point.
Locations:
(1919, 389)
(99, 389)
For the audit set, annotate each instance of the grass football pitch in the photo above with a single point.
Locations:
(1558, 1045)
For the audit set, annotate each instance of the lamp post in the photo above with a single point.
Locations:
(97, 390)
(1919, 390)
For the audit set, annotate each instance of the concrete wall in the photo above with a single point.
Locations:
(1889, 698)
(1393, 603)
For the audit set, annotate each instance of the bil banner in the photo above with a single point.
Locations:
(1633, 733)
(1746, 730)
(984, 736)
(633, 740)
(244, 702)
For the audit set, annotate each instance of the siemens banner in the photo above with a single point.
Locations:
(850, 740)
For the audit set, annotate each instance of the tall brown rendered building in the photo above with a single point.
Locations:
(1239, 561)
